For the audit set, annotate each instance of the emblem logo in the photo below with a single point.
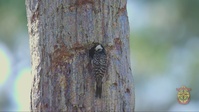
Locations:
(183, 95)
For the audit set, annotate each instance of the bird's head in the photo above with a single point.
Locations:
(96, 49)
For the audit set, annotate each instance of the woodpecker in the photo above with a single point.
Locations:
(99, 64)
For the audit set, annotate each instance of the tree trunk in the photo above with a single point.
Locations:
(61, 34)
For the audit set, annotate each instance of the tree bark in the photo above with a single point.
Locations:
(61, 33)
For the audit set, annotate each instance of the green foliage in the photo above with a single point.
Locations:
(12, 20)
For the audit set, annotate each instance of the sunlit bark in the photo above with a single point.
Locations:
(61, 33)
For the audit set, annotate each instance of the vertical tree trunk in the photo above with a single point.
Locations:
(61, 34)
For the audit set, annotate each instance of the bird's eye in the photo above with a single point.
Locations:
(99, 50)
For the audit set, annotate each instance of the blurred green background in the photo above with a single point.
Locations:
(164, 53)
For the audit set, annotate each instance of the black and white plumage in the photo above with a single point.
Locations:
(99, 64)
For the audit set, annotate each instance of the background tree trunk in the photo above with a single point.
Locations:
(61, 34)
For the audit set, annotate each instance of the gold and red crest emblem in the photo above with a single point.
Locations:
(183, 95)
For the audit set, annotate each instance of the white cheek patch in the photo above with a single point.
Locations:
(98, 47)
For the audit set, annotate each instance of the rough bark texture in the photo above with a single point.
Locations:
(61, 34)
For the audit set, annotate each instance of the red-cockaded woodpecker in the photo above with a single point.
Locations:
(99, 64)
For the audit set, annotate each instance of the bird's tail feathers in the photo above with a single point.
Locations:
(99, 89)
